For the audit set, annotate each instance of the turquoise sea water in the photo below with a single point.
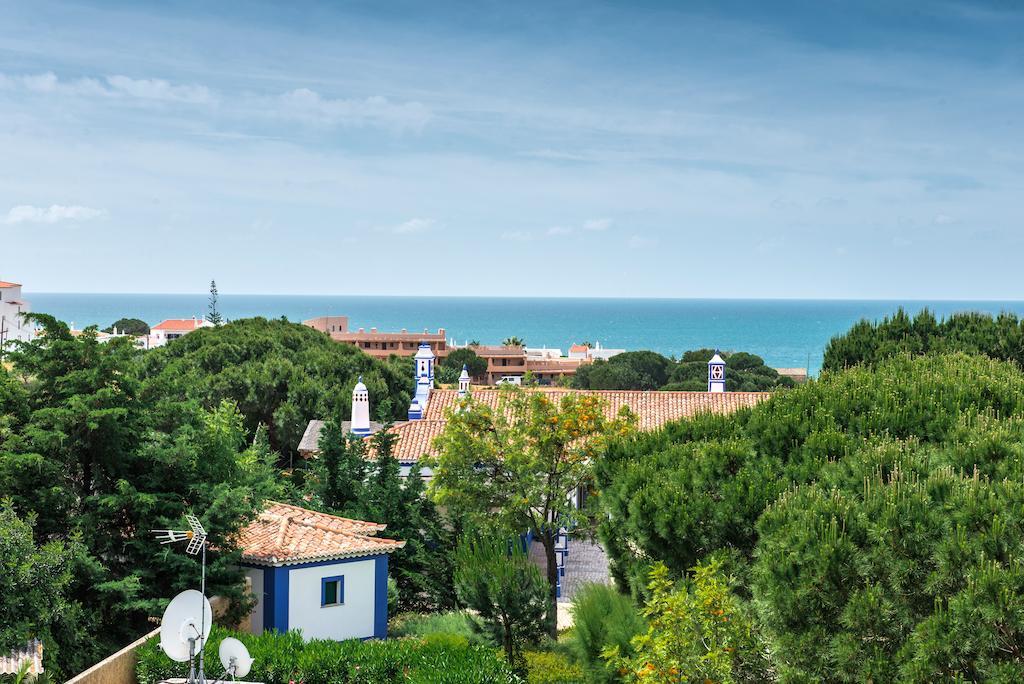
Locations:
(787, 333)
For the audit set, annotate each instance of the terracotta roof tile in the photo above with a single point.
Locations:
(285, 535)
(415, 439)
(653, 409)
(4, 283)
(179, 324)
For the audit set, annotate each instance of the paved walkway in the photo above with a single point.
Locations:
(586, 563)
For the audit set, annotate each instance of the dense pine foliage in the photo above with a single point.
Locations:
(279, 374)
(94, 463)
(868, 343)
(870, 517)
(647, 370)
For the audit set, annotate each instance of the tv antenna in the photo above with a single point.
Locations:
(235, 658)
(180, 636)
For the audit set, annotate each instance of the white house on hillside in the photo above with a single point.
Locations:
(12, 326)
(173, 328)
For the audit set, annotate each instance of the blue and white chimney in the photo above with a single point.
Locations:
(424, 361)
(716, 373)
(360, 409)
(464, 381)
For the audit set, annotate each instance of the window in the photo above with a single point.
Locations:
(332, 591)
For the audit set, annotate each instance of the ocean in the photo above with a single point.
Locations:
(786, 333)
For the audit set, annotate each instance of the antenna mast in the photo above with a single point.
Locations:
(196, 537)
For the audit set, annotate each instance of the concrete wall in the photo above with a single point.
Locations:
(353, 619)
(117, 669)
(254, 579)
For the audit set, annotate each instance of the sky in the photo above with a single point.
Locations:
(808, 149)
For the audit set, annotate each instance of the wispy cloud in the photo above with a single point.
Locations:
(590, 225)
(309, 106)
(413, 225)
(116, 86)
(640, 241)
(55, 213)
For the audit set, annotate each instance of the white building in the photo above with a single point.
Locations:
(173, 328)
(13, 327)
(582, 351)
(319, 573)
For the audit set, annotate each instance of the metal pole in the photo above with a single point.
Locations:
(202, 618)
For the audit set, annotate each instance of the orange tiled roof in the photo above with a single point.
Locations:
(579, 348)
(653, 408)
(285, 535)
(179, 324)
(415, 439)
(4, 283)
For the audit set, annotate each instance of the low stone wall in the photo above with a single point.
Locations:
(116, 669)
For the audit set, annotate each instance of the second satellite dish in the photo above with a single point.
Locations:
(235, 658)
(188, 616)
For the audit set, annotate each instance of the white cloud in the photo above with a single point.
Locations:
(159, 89)
(559, 230)
(26, 213)
(597, 224)
(114, 86)
(639, 241)
(414, 225)
(308, 105)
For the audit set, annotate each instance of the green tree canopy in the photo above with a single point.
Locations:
(866, 513)
(514, 466)
(129, 326)
(87, 456)
(1000, 337)
(278, 374)
(647, 370)
(476, 366)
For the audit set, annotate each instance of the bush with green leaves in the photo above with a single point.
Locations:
(603, 618)
(865, 512)
(495, 578)
(284, 658)
(868, 343)
(552, 667)
(647, 370)
(455, 622)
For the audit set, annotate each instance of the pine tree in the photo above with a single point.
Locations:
(214, 315)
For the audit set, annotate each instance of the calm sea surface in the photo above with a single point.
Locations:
(787, 333)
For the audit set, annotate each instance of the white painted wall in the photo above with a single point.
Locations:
(255, 576)
(352, 620)
(11, 304)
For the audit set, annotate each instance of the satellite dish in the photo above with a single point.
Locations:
(188, 616)
(235, 658)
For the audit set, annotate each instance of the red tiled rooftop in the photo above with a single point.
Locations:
(415, 439)
(578, 348)
(284, 535)
(4, 283)
(179, 324)
(652, 408)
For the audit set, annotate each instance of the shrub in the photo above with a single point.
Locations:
(550, 667)
(283, 658)
(420, 625)
(602, 618)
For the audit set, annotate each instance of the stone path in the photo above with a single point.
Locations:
(586, 563)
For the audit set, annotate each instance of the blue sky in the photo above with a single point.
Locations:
(704, 149)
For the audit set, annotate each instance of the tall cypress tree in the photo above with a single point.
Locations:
(214, 315)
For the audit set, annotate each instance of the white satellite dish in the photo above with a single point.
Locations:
(188, 617)
(235, 658)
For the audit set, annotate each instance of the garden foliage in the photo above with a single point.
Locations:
(865, 515)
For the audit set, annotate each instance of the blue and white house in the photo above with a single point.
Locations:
(319, 573)
(424, 381)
